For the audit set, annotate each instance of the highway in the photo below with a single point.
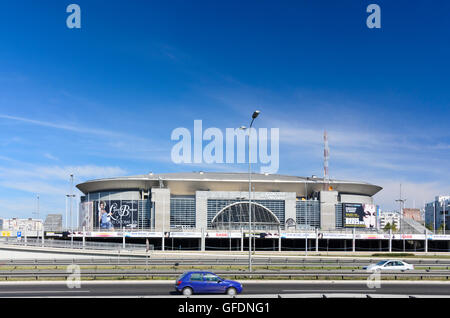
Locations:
(16, 265)
(261, 289)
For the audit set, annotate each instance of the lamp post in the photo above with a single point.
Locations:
(37, 211)
(443, 206)
(70, 200)
(434, 217)
(70, 196)
(163, 242)
(255, 114)
(306, 215)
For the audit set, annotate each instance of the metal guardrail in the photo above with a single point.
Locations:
(78, 245)
(114, 260)
(212, 265)
(236, 275)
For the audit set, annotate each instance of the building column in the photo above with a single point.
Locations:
(84, 237)
(242, 240)
(201, 209)
(354, 240)
(202, 244)
(390, 240)
(290, 211)
(317, 239)
(279, 239)
(328, 201)
(161, 201)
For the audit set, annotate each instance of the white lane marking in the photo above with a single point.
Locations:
(327, 291)
(43, 291)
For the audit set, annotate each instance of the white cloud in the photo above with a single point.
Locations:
(52, 180)
(73, 128)
(81, 172)
(50, 156)
(32, 186)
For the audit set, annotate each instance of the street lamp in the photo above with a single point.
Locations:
(254, 116)
(443, 205)
(163, 242)
(434, 217)
(306, 216)
(69, 196)
(37, 213)
(70, 199)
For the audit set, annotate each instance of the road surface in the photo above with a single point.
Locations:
(251, 289)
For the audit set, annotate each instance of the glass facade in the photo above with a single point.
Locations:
(276, 206)
(236, 216)
(339, 216)
(182, 212)
(307, 213)
(144, 214)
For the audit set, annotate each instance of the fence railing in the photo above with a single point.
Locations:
(324, 263)
(108, 246)
(229, 274)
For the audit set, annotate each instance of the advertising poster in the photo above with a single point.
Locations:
(115, 214)
(357, 215)
(86, 216)
(370, 216)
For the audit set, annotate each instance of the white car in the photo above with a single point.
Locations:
(392, 265)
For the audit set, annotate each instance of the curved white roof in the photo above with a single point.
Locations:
(187, 183)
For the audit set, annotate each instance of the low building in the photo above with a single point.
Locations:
(434, 212)
(391, 218)
(414, 214)
(53, 222)
(16, 224)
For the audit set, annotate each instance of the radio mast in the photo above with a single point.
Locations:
(402, 205)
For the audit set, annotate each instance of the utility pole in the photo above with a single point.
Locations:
(443, 206)
(67, 219)
(401, 203)
(36, 211)
(37, 214)
(254, 116)
(71, 195)
(306, 217)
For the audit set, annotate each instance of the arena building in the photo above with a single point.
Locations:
(210, 201)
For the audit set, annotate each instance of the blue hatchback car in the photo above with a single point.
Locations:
(200, 282)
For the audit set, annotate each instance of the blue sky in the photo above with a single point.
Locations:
(103, 100)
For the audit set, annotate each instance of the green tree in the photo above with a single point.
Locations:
(394, 227)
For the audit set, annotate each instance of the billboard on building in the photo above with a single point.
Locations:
(359, 215)
(115, 214)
